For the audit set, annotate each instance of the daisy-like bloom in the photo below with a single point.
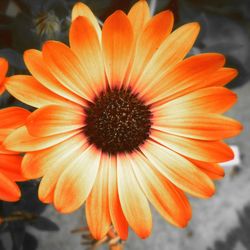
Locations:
(10, 162)
(124, 119)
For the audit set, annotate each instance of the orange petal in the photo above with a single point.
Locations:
(66, 68)
(171, 51)
(139, 15)
(117, 39)
(179, 170)
(28, 90)
(11, 118)
(118, 220)
(85, 44)
(21, 141)
(36, 164)
(188, 76)
(213, 170)
(3, 71)
(164, 196)
(221, 77)
(134, 203)
(76, 182)
(53, 120)
(37, 67)
(209, 151)
(9, 191)
(97, 204)
(10, 166)
(208, 100)
(199, 126)
(51, 164)
(156, 30)
(81, 9)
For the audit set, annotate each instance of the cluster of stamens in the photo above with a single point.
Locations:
(117, 121)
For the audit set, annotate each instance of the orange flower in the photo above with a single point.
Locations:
(10, 162)
(3, 72)
(124, 119)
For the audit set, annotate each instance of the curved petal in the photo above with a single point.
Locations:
(34, 61)
(12, 117)
(97, 204)
(209, 151)
(51, 164)
(178, 170)
(164, 196)
(53, 120)
(208, 100)
(139, 15)
(156, 30)
(221, 77)
(81, 9)
(85, 44)
(76, 182)
(188, 76)
(117, 40)
(10, 166)
(66, 68)
(9, 191)
(21, 141)
(3, 71)
(209, 127)
(118, 220)
(134, 203)
(28, 90)
(213, 170)
(171, 51)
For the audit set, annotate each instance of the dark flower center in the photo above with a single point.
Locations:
(117, 121)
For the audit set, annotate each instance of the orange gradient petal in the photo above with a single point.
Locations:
(221, 77)
(209, 151)
(208, 100)
(38, 68)
(164, 196)
(189, 75)
(117, 40)
(53, 120)
(85, 44)
(139, 15)
(12, 117)
(171, 51)
(51, 164)
(3, 71)
(21, 141)
(97, 204)
(66, 68)
(28, 90)
(209, 127)
(156, 30)
(10, 166)
(179, 170)
(133, 201)
(213, 170)
(9, 191)
(81, 9)
(76, 182)
(36, 164)
(118, 220)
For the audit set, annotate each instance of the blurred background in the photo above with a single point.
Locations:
(220, 223)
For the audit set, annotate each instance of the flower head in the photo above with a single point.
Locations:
(124, 119)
